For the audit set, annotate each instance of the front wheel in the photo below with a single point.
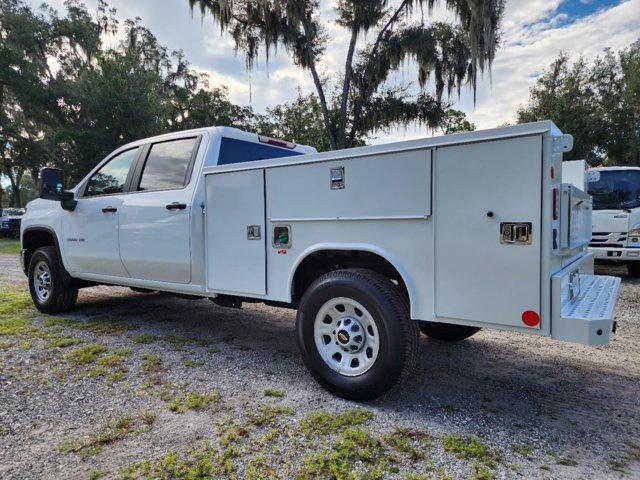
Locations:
(355, 334)
(51, 288)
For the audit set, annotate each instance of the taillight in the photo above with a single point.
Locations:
(556, 204)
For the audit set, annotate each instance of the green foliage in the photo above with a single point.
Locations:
(599, 104)
(471, 447)
(9, 246)
(273, 392)
(354, 447)
(151, 363)
(193, 401)
(144, 338)
(114, 430)
(14, 301)
(360, 101)
(324, 423)
(85, 355)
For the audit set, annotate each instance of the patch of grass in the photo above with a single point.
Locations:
(10, 246)
(193, 401)
(566, 461)
(267, 414)
(522, 449)
(471, 447)
(213, 349)
(62, 342)
(324, 423)
(192, 362)
(273, 392)
(96, 475)
(151, 362)
(85, 355)
(356, 448)
(259, 468)
(198, 463)
(99, 324)
(14, 301)
(13, 325)
(621, 460)
(111, 432)
(143, 338)
(178, 343)
(409, 442)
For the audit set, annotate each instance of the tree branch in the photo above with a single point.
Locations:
(348, 72)
(318, 82)
(357, 109)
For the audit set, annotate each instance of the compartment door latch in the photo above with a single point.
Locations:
(515, 233)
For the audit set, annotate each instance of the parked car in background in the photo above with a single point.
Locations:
(10, 221)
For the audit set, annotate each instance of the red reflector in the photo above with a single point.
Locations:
(556, 204)
(530, 318)
(553, 172)
(276, 142)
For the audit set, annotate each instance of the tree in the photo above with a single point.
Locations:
(456, 121)
(599, 104)
(361, 101)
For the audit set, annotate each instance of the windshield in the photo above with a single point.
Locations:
(616, 190)
(12, 212)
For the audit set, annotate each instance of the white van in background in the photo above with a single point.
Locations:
(616, 211)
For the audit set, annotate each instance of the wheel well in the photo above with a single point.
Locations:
(324, 261)
(35, 238)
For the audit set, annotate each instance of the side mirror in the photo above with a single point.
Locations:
(51, 184)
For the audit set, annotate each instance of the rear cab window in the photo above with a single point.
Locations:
(168, 165)
(239, 151)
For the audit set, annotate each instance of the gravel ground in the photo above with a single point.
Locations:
(535, 408)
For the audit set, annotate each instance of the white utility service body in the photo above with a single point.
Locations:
(476, 228)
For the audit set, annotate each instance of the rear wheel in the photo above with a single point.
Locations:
(447, 332)
(51, 287)
(633, 268)
(356, 337)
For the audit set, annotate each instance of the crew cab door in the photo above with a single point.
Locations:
(90, 232)
(155, 221)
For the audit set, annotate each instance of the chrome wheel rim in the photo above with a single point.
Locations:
(346, 336)
(42, 281)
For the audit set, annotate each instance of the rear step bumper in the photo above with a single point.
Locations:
(583, 304)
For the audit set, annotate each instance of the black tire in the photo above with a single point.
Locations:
(62, 293)
(388, 308)
(633, 269)
(447, 332)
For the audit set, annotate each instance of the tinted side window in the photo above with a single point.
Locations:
(239, 151)
(167, 165)
(112, 176)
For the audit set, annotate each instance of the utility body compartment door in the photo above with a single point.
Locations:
(235, 233)
(479, 191)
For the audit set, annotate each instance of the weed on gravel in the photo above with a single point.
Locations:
(111, 432)
(324, 423)
(194, 401)
(100, 324)
(272, 392)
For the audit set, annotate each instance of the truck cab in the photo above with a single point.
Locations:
(616, 215)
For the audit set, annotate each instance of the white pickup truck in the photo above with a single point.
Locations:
(444, 235)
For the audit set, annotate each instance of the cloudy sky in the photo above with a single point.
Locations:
(534, 33)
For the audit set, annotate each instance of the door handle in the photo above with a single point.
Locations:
(109, 210)
(176, 206)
